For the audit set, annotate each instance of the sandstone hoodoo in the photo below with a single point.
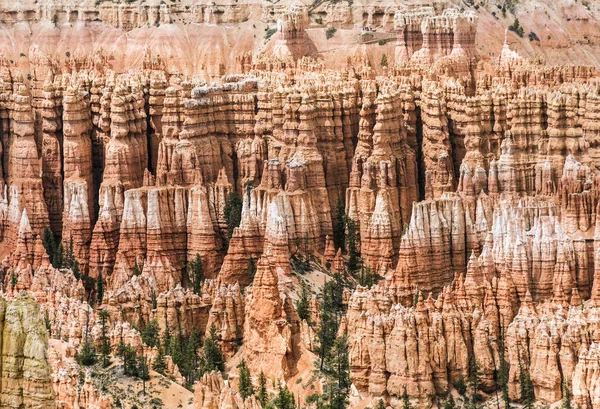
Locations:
(312, 204)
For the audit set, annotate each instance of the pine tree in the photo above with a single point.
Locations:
(50, 246)
(337, 371)
(212, 352)
(100, 288)
(251, 269)
(151, 334)
(352, 245)
(380, 404)
(284, 399)
(526, 386)
(190, 358)
(58, 260)
(473, 382)
(503, 372)
(196, 273)
(449, 403)
(142, 371)
(159, 364)
(384, 61)
(136, 268)
(175, 349)
(104, 340)
(87, 355)
(153, 299)
(406, 400)
(331, 308)
(262, 389)
(339, 229)
(303, 305)
(567, 397)
(232, 212)
(130, 361)
(245, 382)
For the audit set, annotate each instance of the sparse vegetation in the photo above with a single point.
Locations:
(245, 381)
(330, 32)
(232, 212)
(533, 36)
(196, 274)
(269, 33)
(384, 60)
(151, 334)
(516, 28)
(303, 305)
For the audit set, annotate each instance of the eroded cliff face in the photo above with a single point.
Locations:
(471, 182)
(25, 372)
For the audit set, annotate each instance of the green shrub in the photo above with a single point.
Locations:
(270, 33)
(330, 32)
(516, 28)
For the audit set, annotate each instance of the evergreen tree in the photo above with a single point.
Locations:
(517, 28)
(136, 268)
(473, 382)
(251, 269)
(190, 359)
(104, 340)
(567, 397)
(352, 245)
(245, 382)
(58, 260)
(50, 246)
(196, 273)
(153, 299)
(151, 334)
(130, 361)
(303, 305)
(380, 404)
(384, 60)
(406, 400)
(212, 352)
(367, 277)
(503, 373)
(449, 403)
(526, 386)
(87, 355)
(167, 339)
(232, 212)
(159, 364)
(284, 399)
(142, 371)
(331, 309)
(337, 371)
(460, 386)
(100, 288)
(175, 348)
(262, 389)
(339, 229)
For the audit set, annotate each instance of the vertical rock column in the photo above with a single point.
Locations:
(51, 156)
(26, 187)
(78, 208)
